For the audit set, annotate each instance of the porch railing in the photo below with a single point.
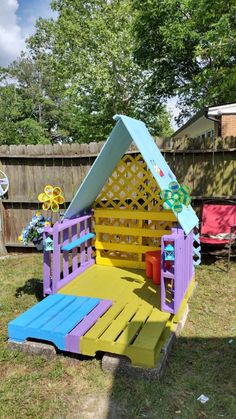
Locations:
(71, 254)
(177, 268)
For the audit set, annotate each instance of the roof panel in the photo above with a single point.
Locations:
(125, 131)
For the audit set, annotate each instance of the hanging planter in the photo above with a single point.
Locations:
(38, 243)
(175, 197)
(33, 232)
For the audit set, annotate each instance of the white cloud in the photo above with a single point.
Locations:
(11, 37)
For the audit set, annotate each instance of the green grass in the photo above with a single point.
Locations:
(202, 361)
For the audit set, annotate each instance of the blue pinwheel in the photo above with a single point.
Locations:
(175, 197)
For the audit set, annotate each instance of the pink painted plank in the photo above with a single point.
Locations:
(73, 338)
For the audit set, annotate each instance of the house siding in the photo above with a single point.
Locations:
(228, 125)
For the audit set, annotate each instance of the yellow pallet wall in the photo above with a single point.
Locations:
(129, 219)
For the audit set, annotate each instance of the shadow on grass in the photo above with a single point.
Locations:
(33, 286)
(195, 366)
(219, 260)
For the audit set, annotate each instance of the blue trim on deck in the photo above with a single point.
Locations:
(51, 319)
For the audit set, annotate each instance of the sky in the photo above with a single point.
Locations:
(17, 20)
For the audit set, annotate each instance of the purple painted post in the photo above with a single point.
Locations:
(89, 244)
(56, 265)
(65, 254)
(177, 274)
(46, 263)
(82, 246)
(75, 250)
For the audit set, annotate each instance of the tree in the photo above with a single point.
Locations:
(189, 49)
(90, 46)
(77, 72)
(15, 126)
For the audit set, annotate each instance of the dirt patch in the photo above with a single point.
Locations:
(99, 406)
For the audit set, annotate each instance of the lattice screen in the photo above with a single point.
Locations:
(131, 187)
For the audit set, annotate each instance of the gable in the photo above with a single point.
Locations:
(123, 134)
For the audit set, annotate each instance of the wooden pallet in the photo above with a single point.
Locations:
(60, 319)
(121, 315)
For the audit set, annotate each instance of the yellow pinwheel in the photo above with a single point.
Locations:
(51, 198)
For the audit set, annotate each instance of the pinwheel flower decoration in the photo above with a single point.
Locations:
(51, 198)
(175, 197)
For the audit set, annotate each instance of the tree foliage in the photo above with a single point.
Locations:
(79, 70)
(189, 48)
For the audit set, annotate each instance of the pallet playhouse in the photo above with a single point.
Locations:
(120, 270)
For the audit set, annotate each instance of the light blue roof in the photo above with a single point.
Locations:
(126, 131)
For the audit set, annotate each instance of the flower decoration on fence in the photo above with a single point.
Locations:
(175, 197)
(51, 198)
(34, 230)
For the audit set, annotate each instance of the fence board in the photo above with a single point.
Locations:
(208, 167)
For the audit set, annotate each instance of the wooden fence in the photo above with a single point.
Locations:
(207, 166)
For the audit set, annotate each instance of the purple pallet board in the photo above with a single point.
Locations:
(71, 276)
(56, 269)
(52, 270)
(46, 266)
(65, 254)
(69, 223)
(83, 232)
(89, 249)
(73, 338)
(183, 269)
(75, 250)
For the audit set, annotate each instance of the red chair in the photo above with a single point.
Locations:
(218, 225)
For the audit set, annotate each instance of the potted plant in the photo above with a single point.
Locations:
(34, 231)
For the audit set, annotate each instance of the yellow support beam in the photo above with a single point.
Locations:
(135, 215)
(122, 263)
(130, 248)
(129, 231)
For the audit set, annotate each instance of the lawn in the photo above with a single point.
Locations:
(203, 361)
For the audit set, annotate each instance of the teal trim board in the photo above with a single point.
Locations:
(52, 319)
(126, 131)
(78, 242)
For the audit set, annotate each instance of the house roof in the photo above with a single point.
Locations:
(126, 131)
(229, 108)
(208, 111)
(191, 121)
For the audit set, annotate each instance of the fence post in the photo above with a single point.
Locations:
(3, 250)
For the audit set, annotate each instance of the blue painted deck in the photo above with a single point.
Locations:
(52, 319)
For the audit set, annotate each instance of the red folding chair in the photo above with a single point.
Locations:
(218, 225)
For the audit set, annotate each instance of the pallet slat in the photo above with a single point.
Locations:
(118, 325)
(129, 231)
(135, 215)
(122, 263)
(132, 248)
